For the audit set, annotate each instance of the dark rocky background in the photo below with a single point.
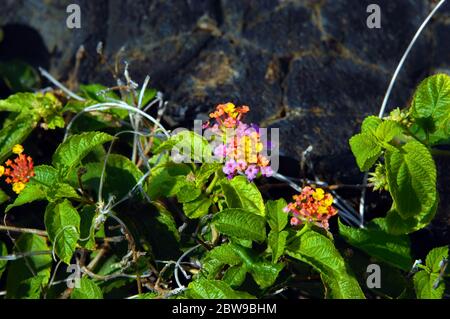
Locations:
(309, 67)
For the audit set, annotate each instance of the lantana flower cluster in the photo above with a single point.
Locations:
(18, 171)
(311, 206)
(240, 145)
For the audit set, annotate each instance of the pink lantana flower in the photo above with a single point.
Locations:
(311, 206)
(229, 168)
(251, 172)
(242, 149)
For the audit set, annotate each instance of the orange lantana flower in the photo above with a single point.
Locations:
(18, 171)
(313, 206)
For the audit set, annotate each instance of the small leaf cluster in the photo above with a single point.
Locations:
(402, 145)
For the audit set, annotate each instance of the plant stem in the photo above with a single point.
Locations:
(299, 233)
(13, 229)
(93, 263)
(17, 256)
(303, 230)
(213, 183)
(43, 233)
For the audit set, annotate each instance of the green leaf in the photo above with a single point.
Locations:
(60, 191)
(319, 252)
(149, 94)
(366, 150)
(90, 179)
(33, 107)
(55, 121)
(396, 225)
(166, 220)
(3, 252)
(216, 259)
(147, 295)
(121, 176)
(378, 243)
(370, 124)
(240, 223)
(428, 283)
(205, 171)
(15, 132)
(210, 268)
(76, 147)
(87, 290)
(277, 243)
(276, 217)
(242, 242)
(431, 107)
(44, 175)
(166, 179)
(30, 193)
(37, 188)
(432, 96)
(235, 275)
(91, 122)
(225, 254)
(197, 208)
(435, 257)
(31, 288)
(240, 193)
(187, 145)
(215, 289)
(63, 226)
(3, 197)
(19, 102)
(423, 284)
(21, 282)
(76, 106)
(264, 273)
(188, 192)
(98, 92)
(411, 176)
(387, 130)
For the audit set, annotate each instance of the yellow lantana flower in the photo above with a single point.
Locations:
(319, 194)
(17, 149)
(229, 107)
(18, 187)
(328, 200)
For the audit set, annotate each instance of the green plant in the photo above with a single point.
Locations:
(405, 141)
(401, 147)
(132, 219)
